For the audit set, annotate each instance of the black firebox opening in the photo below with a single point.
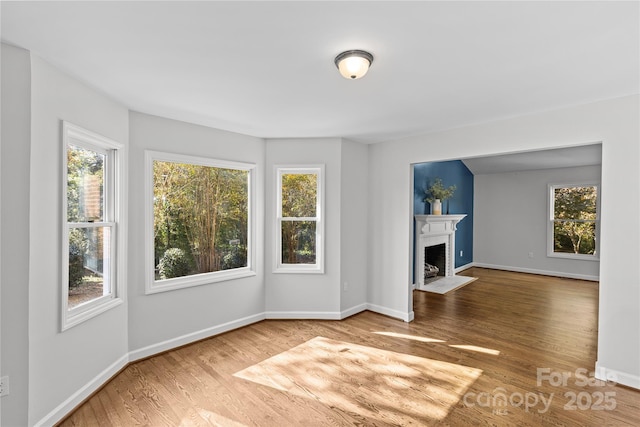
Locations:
(434, 256)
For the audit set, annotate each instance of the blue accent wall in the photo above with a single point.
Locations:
(453, 172)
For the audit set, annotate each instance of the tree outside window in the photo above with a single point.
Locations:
(199, 214)
(299, 198)
(575, 218)
(299, 225)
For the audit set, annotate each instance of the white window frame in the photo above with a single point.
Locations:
(152, 285)
(551, 218)
(114, 219)
(278, 265)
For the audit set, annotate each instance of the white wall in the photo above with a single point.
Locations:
(614, 122)
(323, 296)
(15, 169)
(354, 181)
(164, 320)
(390, 228)
(511, 211)
(305, 295)
(60, 364)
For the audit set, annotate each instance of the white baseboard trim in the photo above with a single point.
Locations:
(329, 315)
(407, 317)
(79, 396)
(193, 337)
(535, 271)
(353, 310)
(317, 315)
(463, 268)
(306, 315)
(606, 374)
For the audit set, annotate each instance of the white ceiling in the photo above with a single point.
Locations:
(266, 68)
(585, 155)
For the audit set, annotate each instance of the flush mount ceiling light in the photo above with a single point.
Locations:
(353, 64)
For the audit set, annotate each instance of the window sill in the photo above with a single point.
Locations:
(298, 270)
(157, 286)
(71, 319)
(578, 257)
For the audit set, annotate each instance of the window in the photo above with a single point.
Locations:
(199, 221)
(92, 278)
(300, 227)
(573, 225)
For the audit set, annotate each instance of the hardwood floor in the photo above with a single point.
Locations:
(491, 353)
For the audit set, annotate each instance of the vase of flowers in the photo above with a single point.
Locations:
(436, 193)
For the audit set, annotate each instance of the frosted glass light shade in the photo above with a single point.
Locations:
(353, 64)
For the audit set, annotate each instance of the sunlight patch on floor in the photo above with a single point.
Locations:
(380, 385)
(211, 418)
(409, 337)
(476, 348)
(433, 340)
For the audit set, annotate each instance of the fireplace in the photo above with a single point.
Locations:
(435, 242)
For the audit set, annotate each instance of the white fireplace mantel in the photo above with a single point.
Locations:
(434, 230)
(437, 224)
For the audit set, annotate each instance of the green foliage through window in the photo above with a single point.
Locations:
(200, 218)
(85, 185)
(299, 205)
(88, 239)
(574, 219)
(299, 195)
(298, 242)
(174, 263)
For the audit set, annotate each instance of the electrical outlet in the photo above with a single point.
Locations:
(345, 286)
(461, 252)
(4, 386)
(530, 254)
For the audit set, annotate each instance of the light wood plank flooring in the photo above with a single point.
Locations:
(470, 358)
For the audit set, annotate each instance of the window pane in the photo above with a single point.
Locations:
(88, 264)
(575, 203)
(298, 242)
(85, 185)
(299, 195)
(200, 219)
(574, 237)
